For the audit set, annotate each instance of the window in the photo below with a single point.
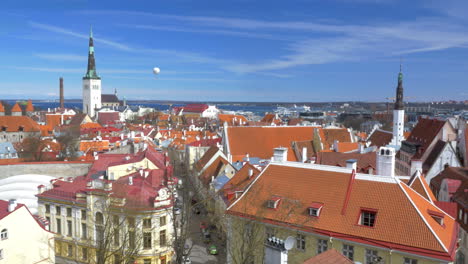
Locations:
(48, 223)
(69, 228)
(300, 242)
(84, 253)
(147, 240)
(131, 238)
(348, 251)
(84, 231)
(99, 218)
(322, 245)
(47, 208)
(162, 221)
(57, 210)
(371, 256)
(83, 214)
(315, 208)
(162, 238)
(147, 223)
(313, 211)
(367, 218)
(410, 261)
(131, 222)
(69, 212)
(273, 202)
(70, 250)
(59, 226)
(4, 234)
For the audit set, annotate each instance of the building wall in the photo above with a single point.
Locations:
(27, 242)
(55, 169)
(69, 247)
(447, 156)
(192, 155)
(91, 96)
(298, 256)
(122, 170)
(15, 137)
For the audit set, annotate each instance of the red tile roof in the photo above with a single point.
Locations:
(206, 157)
(331, 256)
(329, 135)
(16, 108)
(425, 131)
(380, 138)
(195, 108)
(449, 173)
(364, 161)
(260, 141)
(4, 208)
(419, 184)
(271, 119)
(214, 169)
(232, 119)
(13, 124)
(300, 184)
(2, 108)
(347, 146)
(29, 106)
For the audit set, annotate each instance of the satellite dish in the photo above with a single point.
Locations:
(156, 70)
(289, 243)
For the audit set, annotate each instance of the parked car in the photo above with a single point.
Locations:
(212, 250)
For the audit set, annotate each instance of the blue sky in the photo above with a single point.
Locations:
(240, 50)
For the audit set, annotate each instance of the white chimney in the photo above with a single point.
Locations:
(250, 173)
(12, 205)
(416, 165)
(247, 157)
(141, 173)
(351, 164)
(386, 162)
(146, 174)
(130, 180)
(304, 154)
(280, 154)
(361, 148)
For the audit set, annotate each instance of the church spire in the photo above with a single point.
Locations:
(91, 71)
(399, 92)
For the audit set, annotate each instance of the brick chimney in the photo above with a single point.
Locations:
(62, 100)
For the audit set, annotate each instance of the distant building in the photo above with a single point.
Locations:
(110, 100)
(24, 238)
(91, 83)
(16, 128)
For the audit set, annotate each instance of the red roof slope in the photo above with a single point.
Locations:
(425, 131)
(299, 185)
(364, 161)
(380, 138)
(260, 141)
(16, 108)
(329, 135)
(14, 123)
(206, 157)
(331, 256)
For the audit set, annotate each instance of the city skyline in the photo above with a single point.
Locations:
(213, 52)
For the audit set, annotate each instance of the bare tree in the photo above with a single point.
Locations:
(69, 138)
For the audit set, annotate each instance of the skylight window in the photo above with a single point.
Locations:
(437, 216)
(273, 202)
(367, 217)
(315, 209)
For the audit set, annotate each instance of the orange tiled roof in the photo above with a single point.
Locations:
(213, 170)
(347, 146)
(46, 130)
(206, 157)
(241, 179)
(380, 138)
(90, 125)
(364, 161)
(16, 108)
(92, 145)
(260, 141)
(14, 123)
(399, 209)
(29, 106)
(232, 119)
(271, 119)
(329, 135)
(419, 184)
(2, 108)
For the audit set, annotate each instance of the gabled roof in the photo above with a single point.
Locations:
(271, 119)
(260, 141)
(380, 138)
(329, 135)
(331, 256)
(195, 108)
(78, 119)
(214, 169)
(13, 124)
(16, 108)
(241, 179)
(29, 106)
(347, 146)
(4, 208)
(425, 131)
(232, 119)
(364, 161)
(419, 184)
(344, 196)
(435, 152)
(201, 163)
(109, 98)
(449, 173)
(298, 147)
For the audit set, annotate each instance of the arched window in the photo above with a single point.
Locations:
(382, 152)
(4, 234)
(99, 218)
(388, 152)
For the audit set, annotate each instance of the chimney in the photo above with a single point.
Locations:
(146, 174)
(361, 148)
(130, 180)
(247, 157)
(280, 154)
(304, 154)
(351, 164)
(62, 101)
(416, 165)
(386, 162)
(40, 189)
(12, 205)
(250, 173)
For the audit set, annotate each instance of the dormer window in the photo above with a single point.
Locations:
(315, 209)
(21, 128)
(4, 128)
(367, 217)
(437, 216)
(273, 202)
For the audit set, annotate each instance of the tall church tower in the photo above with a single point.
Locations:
(398, 113)
(91, 83)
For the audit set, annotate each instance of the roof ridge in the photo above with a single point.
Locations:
(421, 215)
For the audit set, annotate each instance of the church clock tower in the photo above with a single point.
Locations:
(91, 83)
(398, 114)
